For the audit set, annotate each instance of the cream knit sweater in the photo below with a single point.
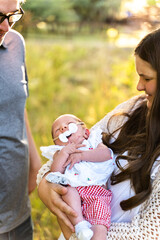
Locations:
(146, 224)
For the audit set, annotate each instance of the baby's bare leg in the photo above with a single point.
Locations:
(100, 232)
(82, 227)
(72, 198)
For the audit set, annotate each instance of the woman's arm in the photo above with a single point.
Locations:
(51, 195)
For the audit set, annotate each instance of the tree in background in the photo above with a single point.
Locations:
(96, 10)
(62, 16)
(57, 14)
(50, 13)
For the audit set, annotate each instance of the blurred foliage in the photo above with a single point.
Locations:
(51, 10)
(153, 2)
(85, 77)
(59, 15)
(96, 10)
(69, 17)
(68, 10)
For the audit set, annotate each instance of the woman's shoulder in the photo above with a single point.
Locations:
(133, 102)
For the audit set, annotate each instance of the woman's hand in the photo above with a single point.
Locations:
(50, 194)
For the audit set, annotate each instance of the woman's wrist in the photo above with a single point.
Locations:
(43, 171)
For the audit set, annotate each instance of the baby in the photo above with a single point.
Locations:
(82, 163)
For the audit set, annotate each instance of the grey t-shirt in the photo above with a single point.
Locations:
(14, 164)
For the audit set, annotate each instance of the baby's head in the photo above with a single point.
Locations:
(69, 129)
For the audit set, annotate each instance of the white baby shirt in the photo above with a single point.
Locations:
(83, 173)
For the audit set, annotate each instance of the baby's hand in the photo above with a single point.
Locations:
(73, 158)
(72, 148)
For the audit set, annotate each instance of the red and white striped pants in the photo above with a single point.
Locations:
(96, 204)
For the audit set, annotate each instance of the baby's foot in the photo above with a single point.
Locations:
(85, 234)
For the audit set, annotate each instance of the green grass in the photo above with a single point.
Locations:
(85, 78)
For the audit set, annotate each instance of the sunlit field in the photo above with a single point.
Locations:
(87, 78)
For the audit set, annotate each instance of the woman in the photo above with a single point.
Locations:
(133, 132)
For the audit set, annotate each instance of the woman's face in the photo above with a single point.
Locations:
(147, 79)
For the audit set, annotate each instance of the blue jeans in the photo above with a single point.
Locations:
(22, 232)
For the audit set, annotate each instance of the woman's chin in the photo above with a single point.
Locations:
(149, 104)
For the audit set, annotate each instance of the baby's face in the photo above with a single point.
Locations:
(61, 125)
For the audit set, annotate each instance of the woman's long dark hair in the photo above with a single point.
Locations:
(140, 135)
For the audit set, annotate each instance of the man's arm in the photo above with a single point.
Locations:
(35, 161)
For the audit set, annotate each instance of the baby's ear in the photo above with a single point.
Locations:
(87, 133)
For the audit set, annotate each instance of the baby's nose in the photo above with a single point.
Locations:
(64, 128)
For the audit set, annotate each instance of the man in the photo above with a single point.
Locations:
(19, 159)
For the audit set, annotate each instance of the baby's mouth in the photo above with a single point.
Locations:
(68, 136)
